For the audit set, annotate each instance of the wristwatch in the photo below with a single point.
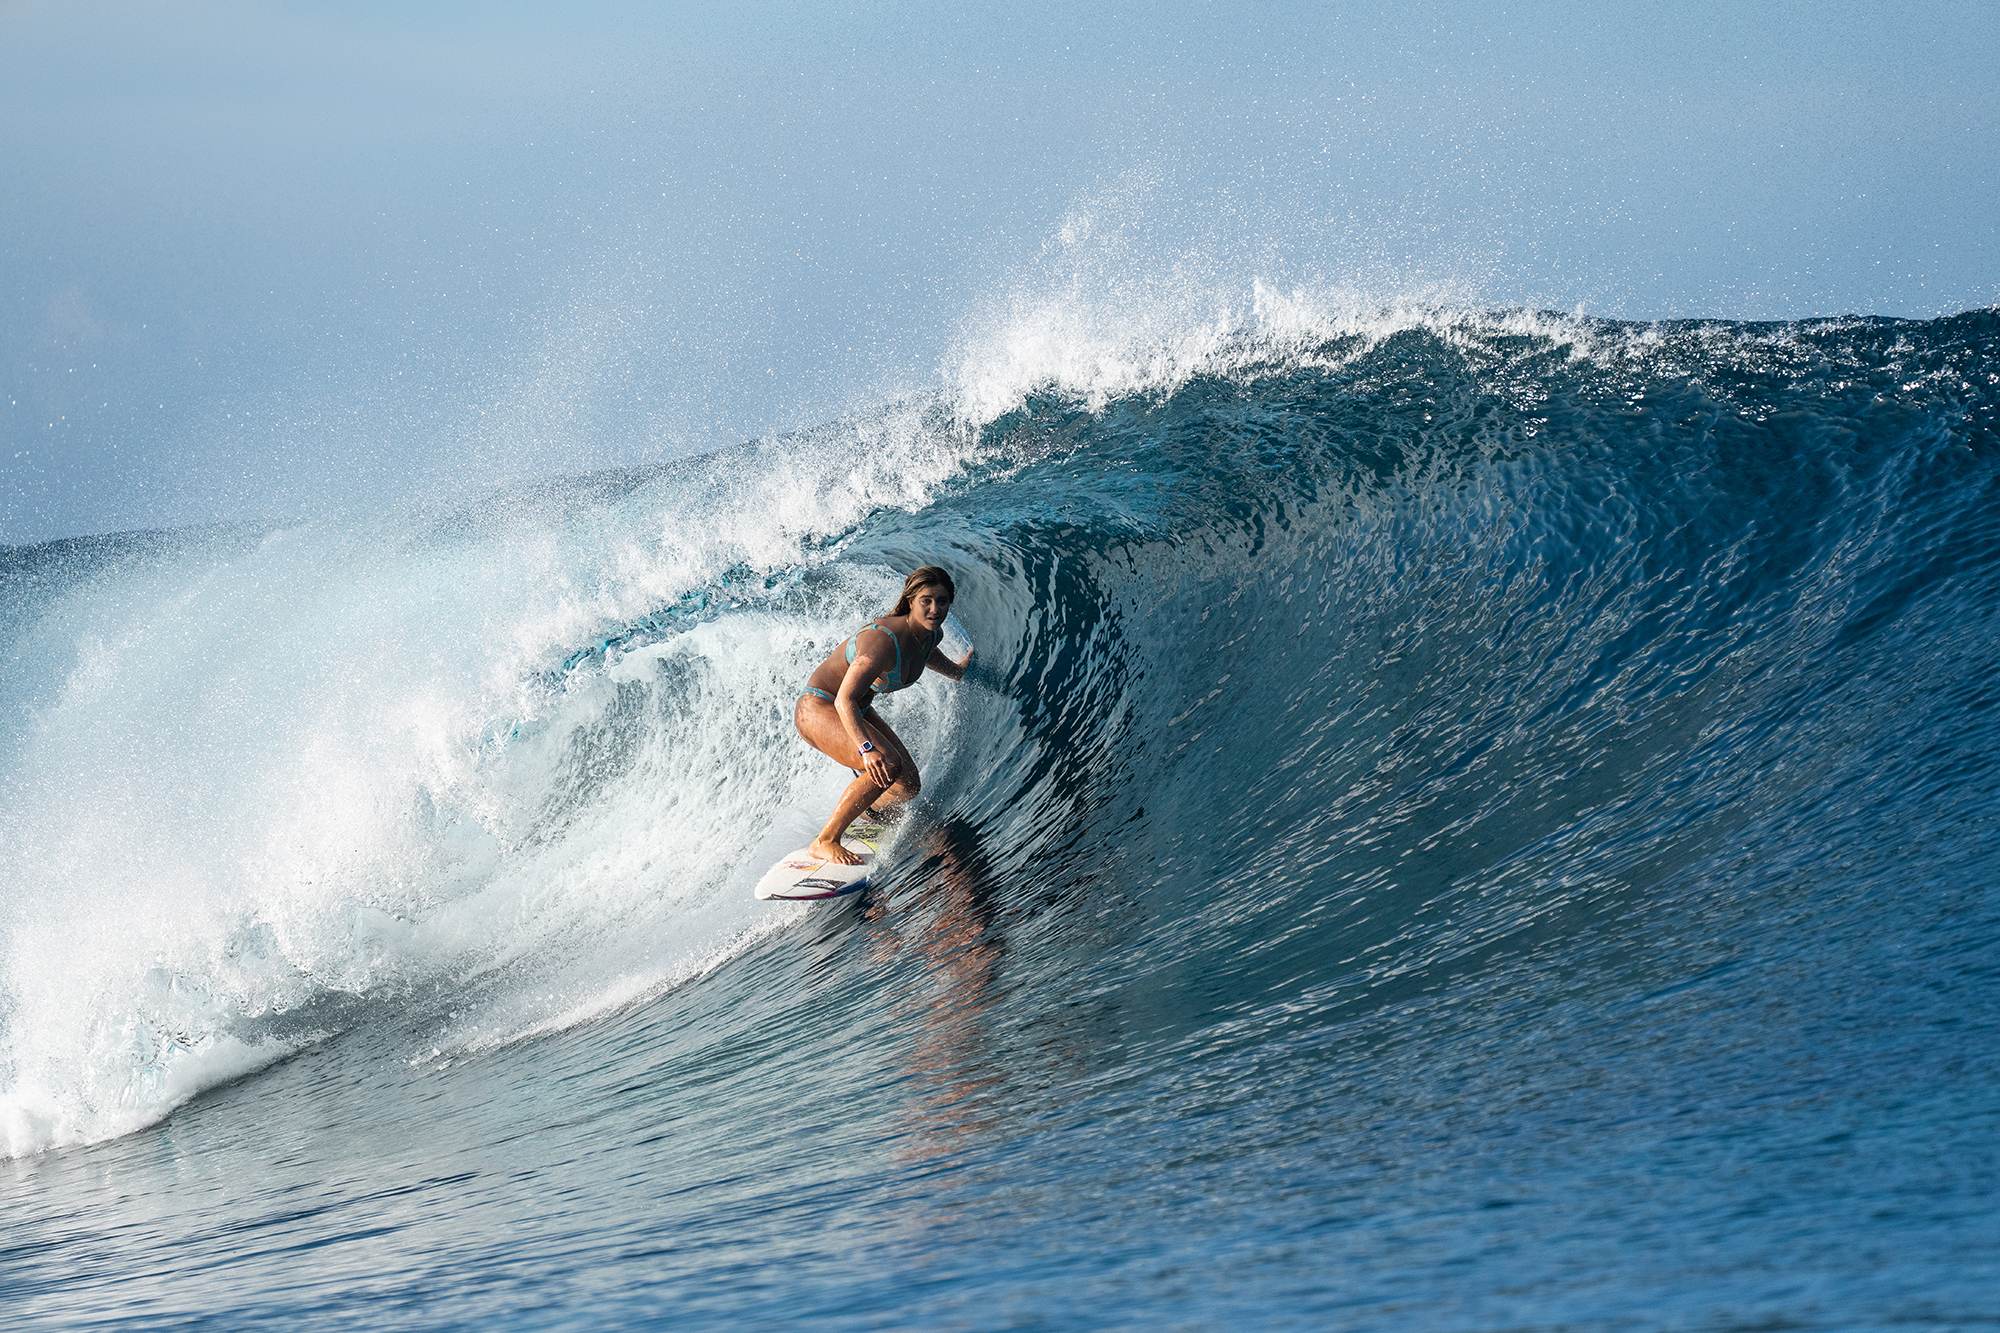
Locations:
(866, 746)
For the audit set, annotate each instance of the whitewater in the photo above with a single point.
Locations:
(1461, 819)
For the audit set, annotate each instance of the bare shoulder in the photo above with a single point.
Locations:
(872, 641)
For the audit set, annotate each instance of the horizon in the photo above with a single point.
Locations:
(272, 261)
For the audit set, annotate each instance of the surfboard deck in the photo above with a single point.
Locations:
(802, 877)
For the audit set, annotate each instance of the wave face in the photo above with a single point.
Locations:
(1457, 820)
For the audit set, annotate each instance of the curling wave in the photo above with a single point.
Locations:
(1330, 658)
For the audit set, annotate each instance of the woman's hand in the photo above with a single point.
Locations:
(881, 769)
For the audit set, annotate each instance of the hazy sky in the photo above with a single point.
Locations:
(269, 259)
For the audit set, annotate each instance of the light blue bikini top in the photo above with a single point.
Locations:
(891, 680)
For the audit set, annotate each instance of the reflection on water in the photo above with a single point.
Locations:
(951, 919)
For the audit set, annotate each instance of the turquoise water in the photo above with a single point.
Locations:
(1459, 821)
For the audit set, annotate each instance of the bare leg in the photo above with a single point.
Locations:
(853, 801)
(820, 725)
(861, 795)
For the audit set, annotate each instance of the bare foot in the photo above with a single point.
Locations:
(834, 852)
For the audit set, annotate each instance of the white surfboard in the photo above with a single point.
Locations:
(805, 877)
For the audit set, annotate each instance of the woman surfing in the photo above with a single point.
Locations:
(837, 716)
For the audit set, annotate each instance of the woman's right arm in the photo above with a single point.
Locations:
(851, 700)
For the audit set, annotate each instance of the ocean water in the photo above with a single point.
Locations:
(1459, 820)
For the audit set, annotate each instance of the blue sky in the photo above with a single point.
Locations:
(264, 260)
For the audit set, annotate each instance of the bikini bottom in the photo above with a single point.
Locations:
(820, 694)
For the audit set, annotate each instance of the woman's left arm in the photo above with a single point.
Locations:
(947, 668)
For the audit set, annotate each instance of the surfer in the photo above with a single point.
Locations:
(836, 714)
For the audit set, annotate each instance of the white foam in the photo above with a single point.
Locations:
(286, 784)
(279, 779)
(1145, 286)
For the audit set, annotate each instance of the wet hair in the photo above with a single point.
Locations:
(928, 576)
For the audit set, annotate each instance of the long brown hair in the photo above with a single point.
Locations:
(918, 581)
